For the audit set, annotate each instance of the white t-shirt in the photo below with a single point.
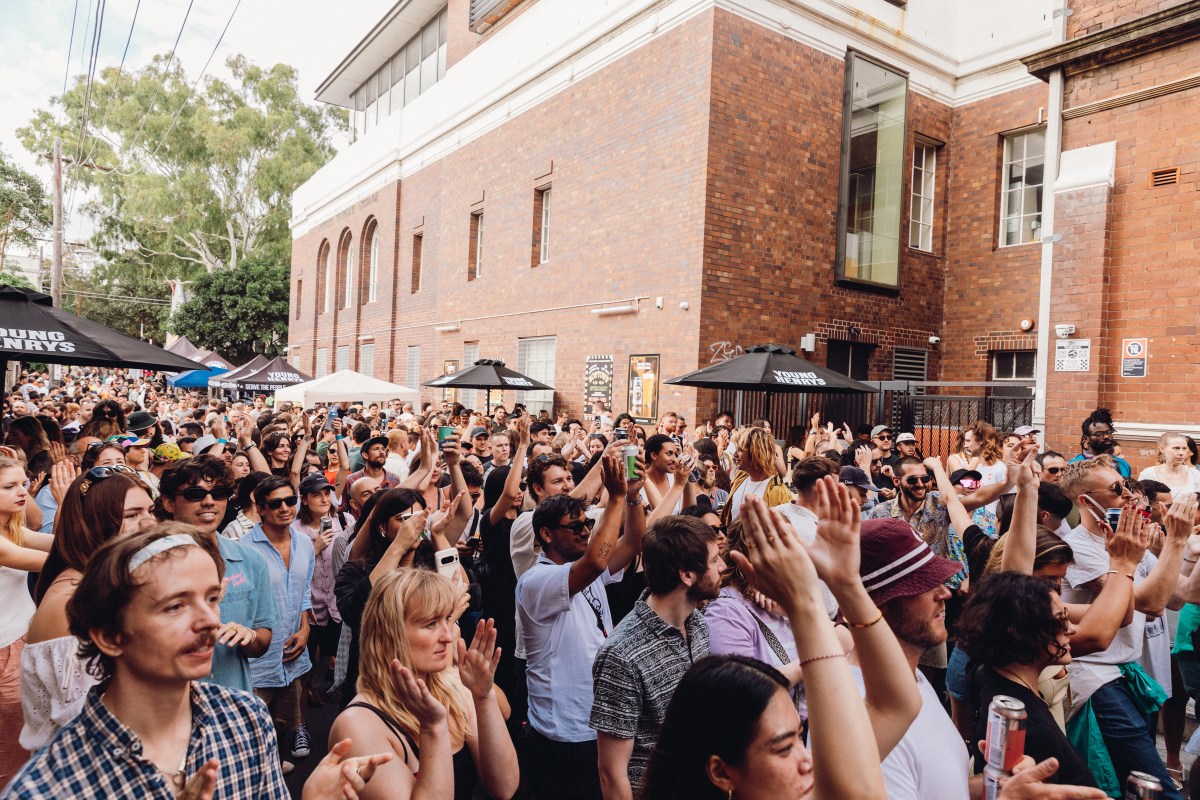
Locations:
(805, 523)
(562, 635)
(397, 465)
(747, 486)
(1090, 672)
(930, 762)
(1191, 485)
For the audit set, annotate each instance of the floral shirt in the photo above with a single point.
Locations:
(932, 521)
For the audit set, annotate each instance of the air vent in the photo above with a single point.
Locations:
(1164, 177)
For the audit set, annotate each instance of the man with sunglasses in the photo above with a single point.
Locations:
(197, 491)
(291, 561)
(1052, 465)
(563, 609)
(1096, 439)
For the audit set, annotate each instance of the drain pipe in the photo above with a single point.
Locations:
(1054, 122)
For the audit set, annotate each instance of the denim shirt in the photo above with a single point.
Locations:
(247, 601)
(291, 586)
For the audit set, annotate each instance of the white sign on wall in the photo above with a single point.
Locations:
(1073, 355)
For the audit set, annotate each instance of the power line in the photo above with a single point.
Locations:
(93, 60)
(127, 298)
(70, 47)
(113, 89)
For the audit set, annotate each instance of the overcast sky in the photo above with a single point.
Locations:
(311, 35)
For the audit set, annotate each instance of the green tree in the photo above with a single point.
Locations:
(108, 293)
(238, 312)
(24, 207)
(15, 279)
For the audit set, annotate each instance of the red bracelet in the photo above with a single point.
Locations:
(811, 659)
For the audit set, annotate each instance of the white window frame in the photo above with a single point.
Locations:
(470, 397)
(341, 359)
(536, 357)
(1022, 161)
(544, 253)
(921, 209)
(351, 257)
(1011, 356)
(327, 303)
(373, 278)
(366, 359)
(478, 244)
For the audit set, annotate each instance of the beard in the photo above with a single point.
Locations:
(922, 633)
(701, 592)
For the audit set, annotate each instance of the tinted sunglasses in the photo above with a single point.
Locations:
(196, 494)
(1052, 470)
(969, 483)
(885, 436)
(276, 502)
(913, 480)
(579, 527)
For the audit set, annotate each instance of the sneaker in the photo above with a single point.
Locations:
(287, 767)
(300, 744)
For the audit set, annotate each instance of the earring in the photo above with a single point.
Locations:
(729, 795)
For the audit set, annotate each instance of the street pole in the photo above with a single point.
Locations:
(56, 265)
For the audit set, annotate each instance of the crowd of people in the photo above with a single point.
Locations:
(509, 604)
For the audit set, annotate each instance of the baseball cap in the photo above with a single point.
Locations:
(853, 476)
(878, 429)
(905, 437)
(203, 443)
(958, 474)
(169, 451)
(374, 440)
(478, 431)
(128, 440)
(896, 562)
(1026, 430)
(314, 482)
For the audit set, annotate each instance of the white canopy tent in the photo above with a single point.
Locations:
(348, 385)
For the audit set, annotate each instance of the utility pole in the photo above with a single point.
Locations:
(56, 265)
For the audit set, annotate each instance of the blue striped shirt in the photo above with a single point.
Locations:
(96, 756)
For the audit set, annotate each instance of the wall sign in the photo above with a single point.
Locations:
(597, 382)
(643, 388)
(1073, 355)
(1133, 357)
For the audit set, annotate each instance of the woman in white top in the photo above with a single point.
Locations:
(21, 551)
(1174, 467)
(104, 503)
(978, 448)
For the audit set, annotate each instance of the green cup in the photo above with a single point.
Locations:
(630, 454)
(444, 433)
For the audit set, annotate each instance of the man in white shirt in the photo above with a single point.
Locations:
(565, 618)
(398, 456)
(1103, 679)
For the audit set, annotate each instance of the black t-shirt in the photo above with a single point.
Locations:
(1043, 737)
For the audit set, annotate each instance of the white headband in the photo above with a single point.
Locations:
(160, 546)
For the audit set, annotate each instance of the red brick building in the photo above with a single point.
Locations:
(630, 189)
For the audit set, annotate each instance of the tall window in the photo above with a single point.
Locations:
(342, 358)
(373, 274)
(870, 200)
(326, 277)
(413, 376)
(475, 252)
(418, 243)
(541, 226)
(920, 217)
(299, 296)
(322, 367)
(366, 359)
(351, 267)
(1021, 197)
(535, 358)
(1013, 365)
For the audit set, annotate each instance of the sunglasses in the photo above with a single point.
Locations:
(969, 483)
(1052, 470)
(579, 527)
(196, 494)
(885, 436)
(275, 503)
(913, 480)
(97, 474)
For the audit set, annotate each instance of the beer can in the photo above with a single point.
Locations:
(1142, 786)
(1005, 744)
(992, 779)
(630, 453)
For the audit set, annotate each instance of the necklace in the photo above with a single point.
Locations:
(1009, 673)
(177, 778)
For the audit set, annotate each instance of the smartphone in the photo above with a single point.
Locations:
(697, 474)
(447, 562)
(620, 434)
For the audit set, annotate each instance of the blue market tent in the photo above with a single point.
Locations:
(195, 379)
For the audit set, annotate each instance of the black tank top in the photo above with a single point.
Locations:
(464, 765)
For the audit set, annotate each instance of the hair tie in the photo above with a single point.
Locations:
(160, 546)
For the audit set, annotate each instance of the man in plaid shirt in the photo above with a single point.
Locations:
(147, 612)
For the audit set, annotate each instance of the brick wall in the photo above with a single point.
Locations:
(1093, 16)
(771, 219)
(989, 289)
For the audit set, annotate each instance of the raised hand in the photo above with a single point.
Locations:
(1027, 784)
(340, 777)
(835, 552)
(776, 562)
(1127, 544)
(612, 475)
(62, 474)
(522, 428)
(1182, 516)
(202, 784)
(57, 452)
(414, 695)
(439, 525)
(1029, 472)
(451, 451)
(477, 663)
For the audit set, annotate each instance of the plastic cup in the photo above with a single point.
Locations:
(444, 433)
(630, 453)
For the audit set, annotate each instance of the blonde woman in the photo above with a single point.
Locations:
(758, 474)
(1174, 467)
(442, 721)
(21, 551)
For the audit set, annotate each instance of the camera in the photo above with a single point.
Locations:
(934, 339)
(1063, 331)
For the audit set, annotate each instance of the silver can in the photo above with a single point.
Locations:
(992, 780)
(1005, 743)
(1142, 786)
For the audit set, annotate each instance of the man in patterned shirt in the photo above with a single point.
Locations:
(147, 614)
(638, 667)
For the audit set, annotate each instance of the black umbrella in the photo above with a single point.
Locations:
(32, 329)
(226, 381)
(487, 373)
(270, 377)
(771, 368)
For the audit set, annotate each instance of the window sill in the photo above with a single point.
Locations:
(1019, 244)
(867, 286)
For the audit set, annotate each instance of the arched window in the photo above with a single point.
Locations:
(325, 277)
(351, 266)
(370, 278)
(374, 277)
(344, 271)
